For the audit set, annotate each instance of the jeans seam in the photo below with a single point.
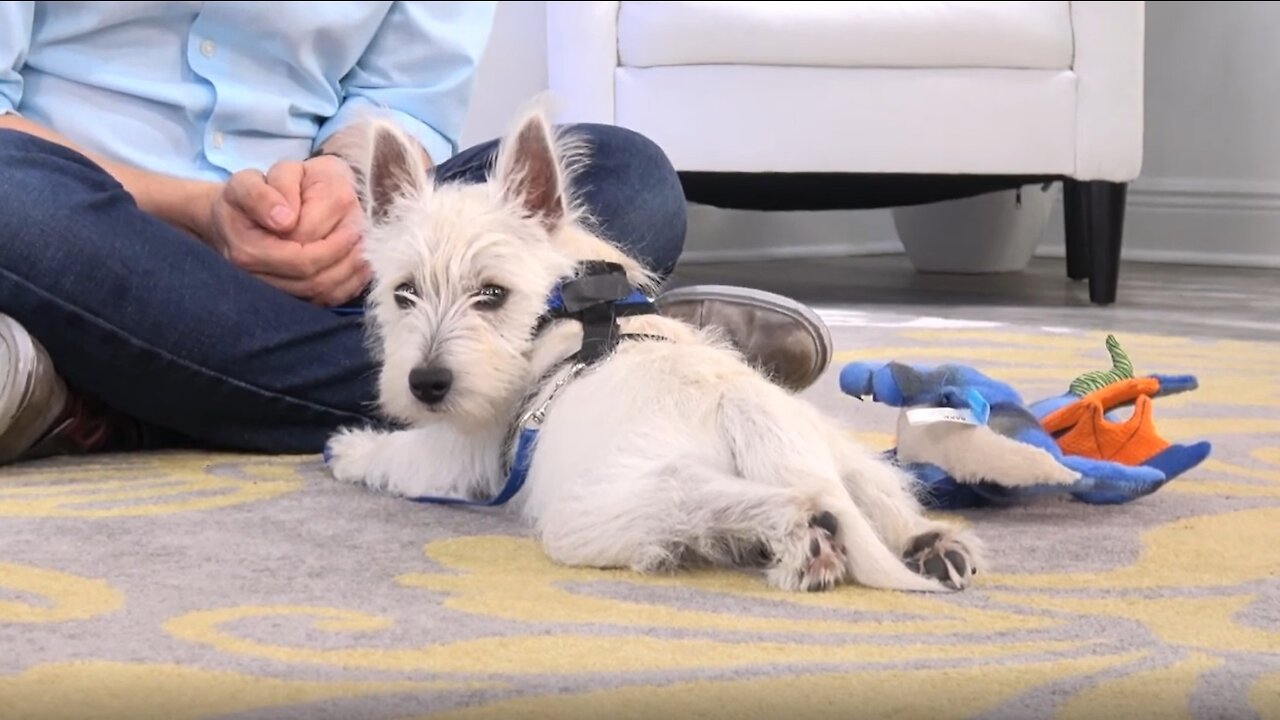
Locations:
(180, 361)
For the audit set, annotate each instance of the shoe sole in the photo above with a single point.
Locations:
(31, 394)
(787, 307)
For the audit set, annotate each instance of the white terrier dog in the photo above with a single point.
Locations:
(667, 451)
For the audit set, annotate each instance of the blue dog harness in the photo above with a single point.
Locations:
(597, 295)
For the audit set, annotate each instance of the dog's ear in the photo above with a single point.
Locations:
(394, 170)
(530, 170)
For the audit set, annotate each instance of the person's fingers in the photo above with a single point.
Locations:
(248, 192)
(356, 281)
(288, 260)
(328, 198)
(334, 286)
(281, 284)
(335, 248)
(286, 178)
(325, 208)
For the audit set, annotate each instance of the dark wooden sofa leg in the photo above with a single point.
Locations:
(1094, 216)
(1074, 214)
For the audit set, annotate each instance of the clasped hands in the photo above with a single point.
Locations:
(297, 228)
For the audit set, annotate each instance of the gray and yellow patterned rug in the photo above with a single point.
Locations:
(213, 586)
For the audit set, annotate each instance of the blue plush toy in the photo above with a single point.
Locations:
(971, 441)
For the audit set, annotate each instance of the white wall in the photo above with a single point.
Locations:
(513, 70)
(1210, 188)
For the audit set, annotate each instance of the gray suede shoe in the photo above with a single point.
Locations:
(782, 337)
(32, 396)
(40, 416)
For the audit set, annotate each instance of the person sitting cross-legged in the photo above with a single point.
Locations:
(180, 260)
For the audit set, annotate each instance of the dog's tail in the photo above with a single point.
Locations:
(778, 440)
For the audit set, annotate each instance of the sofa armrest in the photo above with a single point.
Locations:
(582, 60)
(1109, 66)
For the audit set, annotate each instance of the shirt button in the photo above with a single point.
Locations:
(217, 140)
(207, 48)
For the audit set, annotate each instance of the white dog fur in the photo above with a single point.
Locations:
(664, 454)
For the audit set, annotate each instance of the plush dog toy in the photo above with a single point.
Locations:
(972, 441)
(1087, 419)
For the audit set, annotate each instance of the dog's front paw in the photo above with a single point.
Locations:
(951, 558)
(349, 455)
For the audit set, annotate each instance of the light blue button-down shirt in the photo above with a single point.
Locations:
(203, 89)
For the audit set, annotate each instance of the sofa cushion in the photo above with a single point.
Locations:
(847, 34)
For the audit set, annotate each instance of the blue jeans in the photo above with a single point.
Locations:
(162, 329)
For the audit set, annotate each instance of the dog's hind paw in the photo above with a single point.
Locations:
(811, 560)
(950, 558)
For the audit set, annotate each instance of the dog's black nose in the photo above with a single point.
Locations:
(430, 384)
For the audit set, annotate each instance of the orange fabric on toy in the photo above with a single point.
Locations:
(1087, 432)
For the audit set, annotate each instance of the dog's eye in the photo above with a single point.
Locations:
(405, 295)
(491, 297)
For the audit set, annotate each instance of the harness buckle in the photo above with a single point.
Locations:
(597, 283)
(539, 414)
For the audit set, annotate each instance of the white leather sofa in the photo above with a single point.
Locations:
(843, 105)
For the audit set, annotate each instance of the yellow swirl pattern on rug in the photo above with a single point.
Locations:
(1161, 694)
(563, 653)
(145, 486)
(144, 691)
(1264, 696)
(1207, 549)
(950, 693)
(189, 585)
(57, 596)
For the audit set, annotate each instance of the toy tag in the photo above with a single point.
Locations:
(930, 415)
(979, 405)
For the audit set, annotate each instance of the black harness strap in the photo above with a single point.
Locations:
(596, 297)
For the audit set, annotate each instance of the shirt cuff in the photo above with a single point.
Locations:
(7, 106)
(439, 148)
